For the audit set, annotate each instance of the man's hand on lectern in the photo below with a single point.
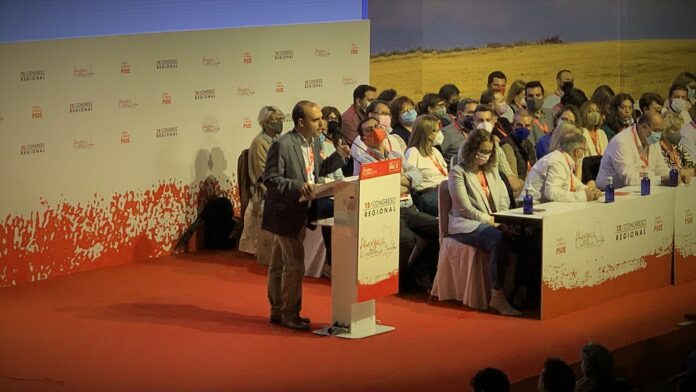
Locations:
(342, 148)
(307, 191)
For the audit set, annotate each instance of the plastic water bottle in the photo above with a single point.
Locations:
(673, 176)
(527, 202)
(644, 184)
(609, 190)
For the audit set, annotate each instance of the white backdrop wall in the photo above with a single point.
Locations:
(104, 142)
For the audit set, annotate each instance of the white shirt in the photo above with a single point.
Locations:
(553, 178)
(359, 148)
(432, 174)
(552, 102)
(688, 137)
(602, 141)
(306, 154)
(622, 161)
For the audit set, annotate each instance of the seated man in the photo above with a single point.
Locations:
(415, 273)
(553, 177)
(378, 110)
(636, 150)
(455, 133)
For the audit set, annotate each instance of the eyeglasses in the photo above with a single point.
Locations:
(276, 119)
(383, 114)
(372, 128)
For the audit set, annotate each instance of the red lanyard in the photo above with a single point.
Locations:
(484, 183)
(595, 140)
(310, 161)
(635, 138)
(543, 127)
(437, 164)
(459, 128)
(672, 153)
(572, 173)
(500, 129)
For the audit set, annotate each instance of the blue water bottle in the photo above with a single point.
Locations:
(609, 190)
(673, 176)
(644, 184)
(527, 202)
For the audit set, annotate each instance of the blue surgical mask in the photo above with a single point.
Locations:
(654, 137)
(322, 138)
(409, 117)
(521, 133)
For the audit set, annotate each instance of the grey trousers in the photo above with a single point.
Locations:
(285, 274)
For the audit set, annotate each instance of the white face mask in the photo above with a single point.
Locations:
(488, 126)
(439, 138)
(678, 104)
(482, 159)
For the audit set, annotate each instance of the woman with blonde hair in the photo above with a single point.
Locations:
(591, 120)
(422, 155)
(515, 97)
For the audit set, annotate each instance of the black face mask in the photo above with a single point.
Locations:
(333, 131)
(468, 123)
(453, 108)
(567, 86)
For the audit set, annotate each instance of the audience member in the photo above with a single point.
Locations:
(428, 160)
(362, 96)
(688, 133)
(620, 116)
(456, 132)
(542, 122)
(497, 101)
(651, 101)
(573, 97)
(433, 105)
(591, 121)
(515, 96)
(603, 96)
(688, 79)
(403, 113)
(387, 95)
(564, 82)
(679, 101)
(497, 81)
(556, 376)
(490, 380)
(566, 114)
(450, 94)
(416, 273)
(597, 369)
(519, 151)
(477, 191)
(380, 112)
(672, 150)
(553, 177)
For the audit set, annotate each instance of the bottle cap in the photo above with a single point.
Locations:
(610, 178)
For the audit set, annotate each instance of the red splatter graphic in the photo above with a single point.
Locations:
(64, 238)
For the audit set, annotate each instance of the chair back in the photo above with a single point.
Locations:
(444, 204)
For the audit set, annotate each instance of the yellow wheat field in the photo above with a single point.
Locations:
(627, 66)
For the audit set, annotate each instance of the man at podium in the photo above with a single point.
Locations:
(293, 166)
(416, 271)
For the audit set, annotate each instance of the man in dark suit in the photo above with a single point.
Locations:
(293, 166)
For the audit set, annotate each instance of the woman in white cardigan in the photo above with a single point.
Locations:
(423, 155)
(477, 191)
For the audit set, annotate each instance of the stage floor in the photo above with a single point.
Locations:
(199, 322)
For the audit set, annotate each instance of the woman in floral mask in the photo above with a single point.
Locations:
(672, 150)
(432, 166)
(591, 121)
(477, 191)
(433, 105)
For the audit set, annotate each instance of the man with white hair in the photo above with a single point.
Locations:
(254, 240)
(553, 177)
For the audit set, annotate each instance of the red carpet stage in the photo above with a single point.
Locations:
(199, 322)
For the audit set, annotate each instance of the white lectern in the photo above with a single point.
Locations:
(365, 249)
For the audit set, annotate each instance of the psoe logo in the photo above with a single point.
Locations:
(245, 91)
(353, 49)
(36, 112)
(83, 71)
(125, 68)
(125, 137)
(204, 94)
(210, 61)
(247, 58)
(79, 107)
(167, 64)
(320, 52)
(631, 229)
(313, 83)
(166, 132)
(127, 103)
(210, 125)
(83, 143)
(280, 87)
(28, 76)
(30, 149)
(284, 54)
(246, 124)
(348, 81)
(688, 217)
(659, 224)
(166, 98)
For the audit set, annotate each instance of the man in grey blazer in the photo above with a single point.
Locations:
(293, 166)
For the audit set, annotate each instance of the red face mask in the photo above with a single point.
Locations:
(376, 137)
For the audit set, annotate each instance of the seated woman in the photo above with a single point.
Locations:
(672, 149)
(422, 155)
(567, 114)
(477, 191)
(591, 121)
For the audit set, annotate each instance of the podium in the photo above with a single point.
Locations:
(365, 249)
